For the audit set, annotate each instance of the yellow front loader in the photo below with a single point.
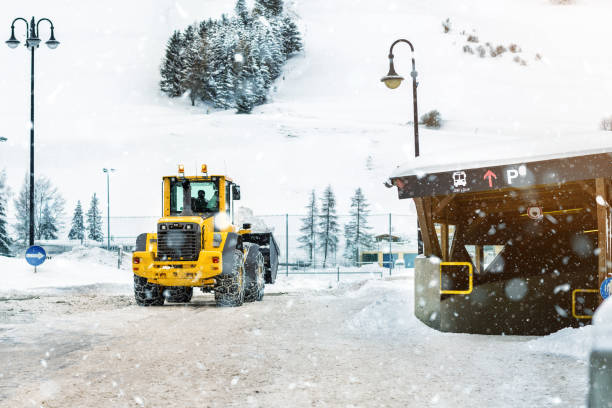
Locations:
(197, 245)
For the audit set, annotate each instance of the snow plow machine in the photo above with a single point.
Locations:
(197, 246)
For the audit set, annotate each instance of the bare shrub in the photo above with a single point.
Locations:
(472, 38)
(562, 2)
(514, 48)
(446, 25)
(432, 120)
(497, 51)
(482, 52)
(606, 124)
(467, 49)
(519, 60)
(538, 57)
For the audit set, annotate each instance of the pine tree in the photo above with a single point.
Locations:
(241, 11)
(292, 41)
(48, 229)
(194, 64)
(94, 221)
(77, 229)
(269, 8)
(5, 240)
(173, 67)
(45, 195)
(308, 229)
(356, 232)
(328, 224)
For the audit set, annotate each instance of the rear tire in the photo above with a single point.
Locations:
(229, 289)
(255, 273)
(178, 294)
(147, 294)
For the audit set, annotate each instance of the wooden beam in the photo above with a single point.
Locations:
(444, 239)
(604, 228)
(442, 204)
(479, 258)
(431, 245)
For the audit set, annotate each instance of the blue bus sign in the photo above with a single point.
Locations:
(606, 288)
(35, 255)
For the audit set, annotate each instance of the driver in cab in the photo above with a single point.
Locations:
(200, 204)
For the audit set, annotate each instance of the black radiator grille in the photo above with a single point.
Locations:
(177, 244)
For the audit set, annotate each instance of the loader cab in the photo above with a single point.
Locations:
(203, 196)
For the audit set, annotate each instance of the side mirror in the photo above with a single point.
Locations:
(236, 192)
(246, 226)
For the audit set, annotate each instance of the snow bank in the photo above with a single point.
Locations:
(578, 343)
(566, 342)
(602, 320)
(83, 269)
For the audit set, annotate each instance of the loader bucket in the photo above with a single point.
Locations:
(269, 250)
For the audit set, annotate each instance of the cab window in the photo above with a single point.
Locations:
(204, 197)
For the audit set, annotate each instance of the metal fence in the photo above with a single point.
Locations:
(286, 230)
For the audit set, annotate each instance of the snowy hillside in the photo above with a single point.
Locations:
(98, 102)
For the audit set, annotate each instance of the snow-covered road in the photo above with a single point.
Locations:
(357, 344)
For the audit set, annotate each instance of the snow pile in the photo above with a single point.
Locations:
(602, 332)
(83, 269)
(569, 342)
(578, 343)
(391, 313)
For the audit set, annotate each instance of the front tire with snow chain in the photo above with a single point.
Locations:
(147, 294)
(255, 274)
(229, 289)
(178, 294)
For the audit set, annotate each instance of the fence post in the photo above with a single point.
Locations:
(287, 243)
(390, 248)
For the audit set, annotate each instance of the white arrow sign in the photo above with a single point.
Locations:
(36, 255)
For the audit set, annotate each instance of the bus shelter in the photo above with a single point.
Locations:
(514, 247)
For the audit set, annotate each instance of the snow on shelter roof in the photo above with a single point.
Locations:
(439, 174)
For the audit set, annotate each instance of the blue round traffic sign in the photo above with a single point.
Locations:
(35, 255)
(606, 288)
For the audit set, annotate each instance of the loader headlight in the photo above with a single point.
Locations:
(163, 227)
(217, 238)
(189, 227)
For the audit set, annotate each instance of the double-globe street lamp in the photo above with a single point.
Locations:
(32, 42)
(108, 172)
(393, 80)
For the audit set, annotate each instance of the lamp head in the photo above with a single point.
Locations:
(12, 42)
(392, 79)
(52, 43)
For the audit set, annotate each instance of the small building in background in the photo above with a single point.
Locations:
(389, 248)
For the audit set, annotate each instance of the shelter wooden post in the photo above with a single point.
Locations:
(604, 228)
(444, 243)
(428, 229)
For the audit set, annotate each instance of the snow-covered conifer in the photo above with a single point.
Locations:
(292, 42)
(173, 67)
(269, 8)
(5, 239)
(328, 225)
(77, 229)
(308, 230)
(94, 221)
(357, 230)
(48, 228)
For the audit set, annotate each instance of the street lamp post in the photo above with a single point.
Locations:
(108, 172)
(393, 80)
(32, 42)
